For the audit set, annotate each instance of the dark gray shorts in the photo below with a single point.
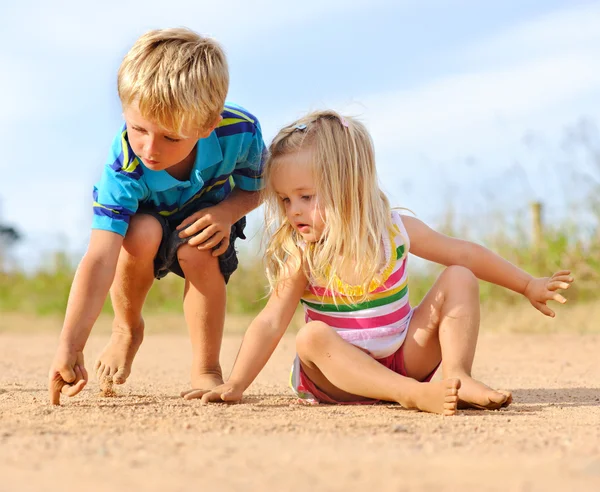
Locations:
(166, 260)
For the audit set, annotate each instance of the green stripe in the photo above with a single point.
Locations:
(399, 251)
(345, 308)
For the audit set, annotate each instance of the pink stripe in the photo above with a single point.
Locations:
(392, 279)
(358, 323)
(373, 333)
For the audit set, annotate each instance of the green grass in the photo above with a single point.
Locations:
(564, 245)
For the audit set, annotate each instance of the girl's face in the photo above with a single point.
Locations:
(294, 184)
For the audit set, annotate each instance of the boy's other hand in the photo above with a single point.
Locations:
(541, 290)
(67, 375)
(210, 227)
(228, 393)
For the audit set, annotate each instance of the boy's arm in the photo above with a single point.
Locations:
(485, 264)
(90, 287)
(215, 222)
(259, 342)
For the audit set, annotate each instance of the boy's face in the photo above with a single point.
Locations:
(157, 148)
(294, 184)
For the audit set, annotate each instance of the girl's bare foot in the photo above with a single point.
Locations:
(115, 361)
(474, 394)
(440, 397)
(206, 380)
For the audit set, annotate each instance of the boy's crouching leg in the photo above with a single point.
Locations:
(204, 309)
(133, 279)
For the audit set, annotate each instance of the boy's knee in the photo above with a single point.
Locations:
(192, 257)
(143, 236)
(313, 334)
(459, 276)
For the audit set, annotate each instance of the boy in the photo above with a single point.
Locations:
(185, 168)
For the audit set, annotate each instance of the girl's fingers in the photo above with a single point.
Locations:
(554, 285)
(544, 309)
(193, 394)
(562, 278)
(557, 297)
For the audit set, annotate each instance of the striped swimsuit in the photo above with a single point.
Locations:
(378, 324)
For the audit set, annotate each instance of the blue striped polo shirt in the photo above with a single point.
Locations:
(231, 156)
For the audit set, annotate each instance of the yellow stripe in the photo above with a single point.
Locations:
(125, 147)
(354, 300)
(231, 121)
(128, 167)
(99, 205)
(239, 113)
(166, 213)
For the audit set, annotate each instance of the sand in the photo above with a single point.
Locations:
(147, 437)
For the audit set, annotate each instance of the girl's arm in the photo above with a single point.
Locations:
(259, 342)
(485, 264)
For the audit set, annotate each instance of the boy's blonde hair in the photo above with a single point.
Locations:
(178, 79)
(357, 213)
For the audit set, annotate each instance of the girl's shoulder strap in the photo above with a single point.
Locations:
(400, 229)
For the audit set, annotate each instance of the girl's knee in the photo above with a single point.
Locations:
(313, 334)
(143, 237)
(458, 276)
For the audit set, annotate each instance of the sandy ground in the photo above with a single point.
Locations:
(148, 437)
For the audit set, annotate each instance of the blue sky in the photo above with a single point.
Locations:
(467, 101)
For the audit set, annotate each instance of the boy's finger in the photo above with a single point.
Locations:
(202, 237)
(222, 247)
(558, 298)
(84, 373)
(212, 242)
(72, 389)
(194, 228)
(562, 272)
(54, 389)
(68, 374)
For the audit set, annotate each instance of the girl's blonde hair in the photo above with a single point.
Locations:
(178, 78)
(357, 213)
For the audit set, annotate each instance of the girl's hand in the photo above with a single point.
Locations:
(228, 393)
(541, 290)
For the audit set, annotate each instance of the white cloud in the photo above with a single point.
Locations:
(97, 29)
(459, 109)
(564, 31)
(541, 83)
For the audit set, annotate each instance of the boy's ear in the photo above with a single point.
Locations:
(209, 130)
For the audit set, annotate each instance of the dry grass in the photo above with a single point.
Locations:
(500, 318)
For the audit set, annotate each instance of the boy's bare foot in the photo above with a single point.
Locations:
(474, 394)
(116, 359)
(439, 397)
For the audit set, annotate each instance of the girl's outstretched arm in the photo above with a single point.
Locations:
(259, 342)
(485, 264)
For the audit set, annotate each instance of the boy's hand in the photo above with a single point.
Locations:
(541, 290)
(210, 227)
(67, 375)
(228, 393)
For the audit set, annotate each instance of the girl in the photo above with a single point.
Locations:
(336, 246)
